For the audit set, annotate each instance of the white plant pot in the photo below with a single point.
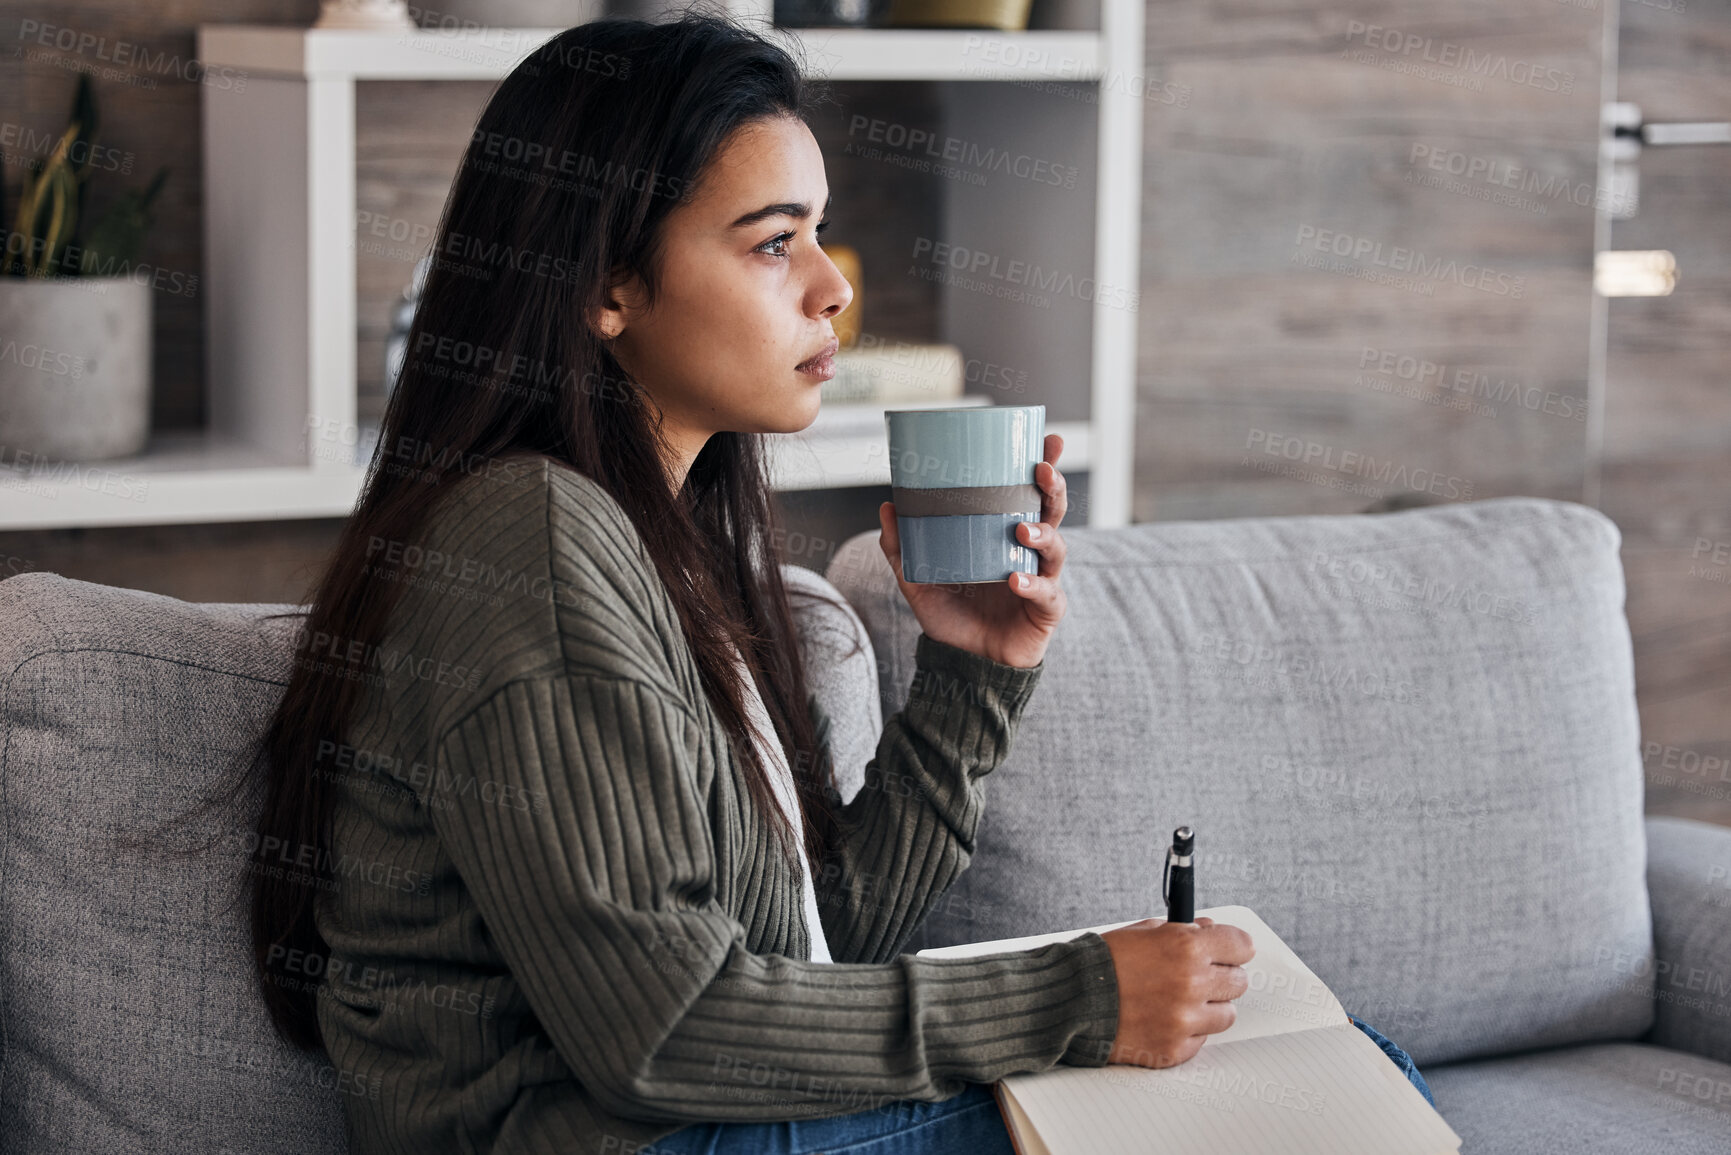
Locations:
(74, 367)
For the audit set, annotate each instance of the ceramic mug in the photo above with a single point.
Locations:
(961, 479)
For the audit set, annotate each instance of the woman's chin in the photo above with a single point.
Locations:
(792, 419)
(802, 409)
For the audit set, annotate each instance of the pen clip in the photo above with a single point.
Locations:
(1166, 880)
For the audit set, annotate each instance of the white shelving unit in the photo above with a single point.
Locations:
(279, 194)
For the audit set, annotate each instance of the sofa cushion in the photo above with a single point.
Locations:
(1689, 885)
(129, 1018)
(1604, 1099)
(1407, 740)
(841, 670)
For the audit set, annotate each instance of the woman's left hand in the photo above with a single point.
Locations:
(1009, 621)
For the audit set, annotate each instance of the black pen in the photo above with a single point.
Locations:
(1177, 883)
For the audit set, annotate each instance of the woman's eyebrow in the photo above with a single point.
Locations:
(799, 210)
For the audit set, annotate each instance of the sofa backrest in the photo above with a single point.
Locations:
(1407, 740)
(129, 1018)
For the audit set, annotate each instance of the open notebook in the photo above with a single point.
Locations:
(1292, 1075)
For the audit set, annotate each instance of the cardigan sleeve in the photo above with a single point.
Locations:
(909, 831)
(601, 902)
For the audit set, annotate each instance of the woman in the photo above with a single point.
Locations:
(581, 880)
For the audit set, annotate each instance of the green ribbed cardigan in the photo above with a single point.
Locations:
(558, 922)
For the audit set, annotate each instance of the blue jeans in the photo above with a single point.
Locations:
(1399, 1058)
(968, 1122)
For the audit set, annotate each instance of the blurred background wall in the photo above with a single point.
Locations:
(1276, 129)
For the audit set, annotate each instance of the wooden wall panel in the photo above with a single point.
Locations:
(1294, 127)
(409, 140)
(1667, 473)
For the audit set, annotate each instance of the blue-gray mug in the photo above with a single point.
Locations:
(961, 479)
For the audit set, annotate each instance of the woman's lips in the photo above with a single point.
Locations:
(822, 367)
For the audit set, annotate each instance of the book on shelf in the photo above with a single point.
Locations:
(1292, 1073)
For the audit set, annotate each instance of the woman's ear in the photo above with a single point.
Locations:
(619, 307)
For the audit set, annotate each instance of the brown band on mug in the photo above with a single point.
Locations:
(962, 500)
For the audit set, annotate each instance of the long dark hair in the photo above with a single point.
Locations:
(621, 117)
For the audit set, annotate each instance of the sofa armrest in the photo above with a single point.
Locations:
(1689, 881)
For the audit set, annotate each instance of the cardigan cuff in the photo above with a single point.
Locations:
(1012, 686)
(1099, 1015)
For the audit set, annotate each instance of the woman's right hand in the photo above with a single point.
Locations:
(1175, 981)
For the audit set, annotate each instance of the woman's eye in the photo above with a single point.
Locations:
(781, 239)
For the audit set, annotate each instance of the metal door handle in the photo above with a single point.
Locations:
(1685, 132)
(1625, 132)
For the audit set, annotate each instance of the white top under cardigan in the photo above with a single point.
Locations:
(786, 793)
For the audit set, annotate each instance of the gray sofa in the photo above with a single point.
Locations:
(1407, 740)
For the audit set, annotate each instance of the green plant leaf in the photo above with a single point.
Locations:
(114, 242)
(52, 191)
(84, 106)
(84, 145)
(62, 218)
(51, 211)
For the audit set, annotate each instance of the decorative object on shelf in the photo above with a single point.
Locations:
(465, 14)
(1004, 15)
(824, 13)
(847, 322)
(895, 371)
(75, 340)
(1064, 15)
(377, 15)
(402, 316)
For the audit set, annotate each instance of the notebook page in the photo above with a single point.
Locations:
(1324, 1092)
(1284, 995)
(1023, 1137)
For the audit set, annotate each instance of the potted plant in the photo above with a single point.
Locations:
(75, 339)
